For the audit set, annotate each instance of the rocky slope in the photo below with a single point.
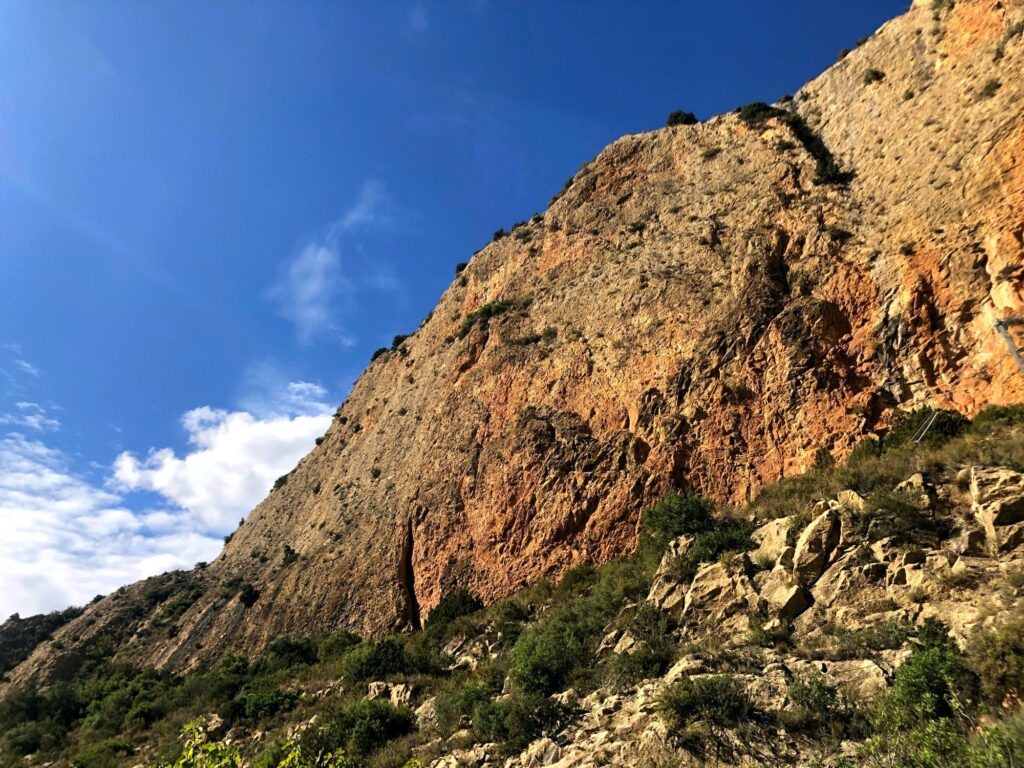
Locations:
(708, 306)
(841, 597)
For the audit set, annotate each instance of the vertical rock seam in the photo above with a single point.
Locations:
(407, 579)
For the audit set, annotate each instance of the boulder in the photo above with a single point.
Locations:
(918, 490)
(426, 715)
(772, 540)
(789, 602)
(815, 546)
(997, 495)
(851, 500)
(719, 590)
(667, 593)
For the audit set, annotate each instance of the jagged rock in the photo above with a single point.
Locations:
(426, 715)
(815, 546)
(998, 506)
(972, 542)
(685, 667)
(719, 591)
(789, 602)
(772, 540)
(627, 644)
(543, 751)
(399, 694)
(918, 490)
(666, 592)
(851, 500)
(861, 680)
(378, 690)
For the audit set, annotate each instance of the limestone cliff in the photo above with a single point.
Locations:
(710, 306)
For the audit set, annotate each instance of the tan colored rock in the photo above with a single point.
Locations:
(851, 500)
(666, 592)
(814, 547)
(771, 539)
(789, 602)
(426, 715)
(918, 490)
(998, 506)
(718, 590)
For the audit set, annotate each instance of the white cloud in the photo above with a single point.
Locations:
(30, 416)
(65, 540)
(316, 288)
(26, 367)
(235, 459)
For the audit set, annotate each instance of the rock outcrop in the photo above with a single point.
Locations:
(710, 307)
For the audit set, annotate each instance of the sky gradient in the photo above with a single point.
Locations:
(212, 213)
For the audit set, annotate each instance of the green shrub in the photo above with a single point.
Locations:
(578, 579)
(488, 311)
(839, 644)
(932, 744)
(868, 448)
(718, 701)
(547, 652)
(517, 720)
(813, 705)
(998, 746)
(677, 514)
(947, 425)
(286, 652)
(649, 660)
(374, 661)
(997, 416)
(337, 645)
(756, 113)
(997, 657)
(103, 754)
(358, 728)
(460, 602)
(454, 708)
(930, 685)
(679, 117)
(711, 546)
(897, 515)
(873, 76)
(258, 700)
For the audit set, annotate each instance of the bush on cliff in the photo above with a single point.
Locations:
(358, 728)
(374, 661)
(676, 514)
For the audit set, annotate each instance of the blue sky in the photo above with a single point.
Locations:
(212, 213)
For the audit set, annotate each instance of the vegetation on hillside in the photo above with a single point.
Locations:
(545, 638)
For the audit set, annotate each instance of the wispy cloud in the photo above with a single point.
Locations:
(30, 416)
(26, 367)
(316, 287)
(15, 367)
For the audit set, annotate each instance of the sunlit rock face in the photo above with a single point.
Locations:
(709, 307)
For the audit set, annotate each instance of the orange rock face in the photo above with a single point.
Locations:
(694, 311)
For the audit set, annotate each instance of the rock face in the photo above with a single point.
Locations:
(694, 311)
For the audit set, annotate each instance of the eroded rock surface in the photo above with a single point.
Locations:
(693, 311)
